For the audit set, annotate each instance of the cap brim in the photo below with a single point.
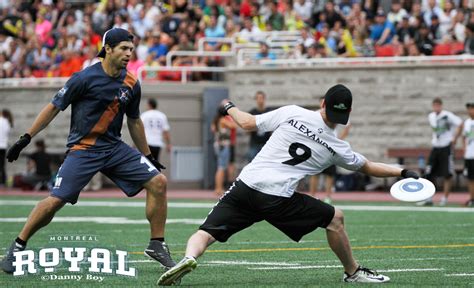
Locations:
(101, 53)
(336, 117)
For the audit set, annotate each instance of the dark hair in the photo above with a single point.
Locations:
(40, 145)
(260, 92)
(437, 100)
(8, 115)
(152, 102)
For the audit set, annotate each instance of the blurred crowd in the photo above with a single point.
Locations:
(55, 38)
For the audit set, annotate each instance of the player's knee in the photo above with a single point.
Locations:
(337, 223)
(158, 184)
(51, 204)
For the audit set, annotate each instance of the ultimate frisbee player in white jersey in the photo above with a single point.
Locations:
(303, 143)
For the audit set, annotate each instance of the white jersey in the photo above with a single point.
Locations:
(468, 133)
(444, 127)
(4, 131)
(155, 123)
(301, 144)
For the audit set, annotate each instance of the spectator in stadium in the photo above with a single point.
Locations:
(469, 43)
(303, 9)
(433, 9)
(265, 53)
(250, 31)
(435, 30)
(382, 31)
(266, 186)
(6, 124)
(458, 29)
(258, 139)
(214, 30)
(444, 125)
(423, 41)
(468, 147)
(134, 64)
(307, 38)
(276, 20)
(397, 13)
(38, 168)
(221, 127)
(157, 129)
(331, 16)
(96, 123)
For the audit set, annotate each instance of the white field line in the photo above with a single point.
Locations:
(340, 266)
(105, 220)
(225, 263)
(296, 267)
(209, 205)
(459, 275)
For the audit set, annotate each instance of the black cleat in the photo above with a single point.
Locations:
(159, 251)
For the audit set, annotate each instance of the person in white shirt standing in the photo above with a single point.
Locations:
(6, 123)
(441, 161)
(468, 147)
(303, 143)
(157, 129)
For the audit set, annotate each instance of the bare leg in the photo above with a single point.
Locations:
(156, 205)
(339, 242)
(219, 179)
(447, 187)
(40, 216)
(313, 184)
(231, 173)
(198, 243)
(329, 186)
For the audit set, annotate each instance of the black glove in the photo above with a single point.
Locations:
(155, 162)
(223, 109)
(15, 150)
(409, 174)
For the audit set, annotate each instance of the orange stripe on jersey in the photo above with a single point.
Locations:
(100, 127)
(130, 80)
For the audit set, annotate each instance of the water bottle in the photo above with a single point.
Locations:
(421, 164)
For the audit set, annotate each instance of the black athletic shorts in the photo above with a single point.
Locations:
(330, 171)
(243, 206)
(469, 166)
(441, 162)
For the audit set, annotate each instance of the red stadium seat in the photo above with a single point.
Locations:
(442, 49)
(385, 51)
(457, 48)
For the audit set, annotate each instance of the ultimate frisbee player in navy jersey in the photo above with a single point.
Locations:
(100, 96)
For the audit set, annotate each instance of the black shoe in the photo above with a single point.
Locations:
(159, 251)
(7, 262)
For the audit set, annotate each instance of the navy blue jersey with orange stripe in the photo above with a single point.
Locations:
(98, 103)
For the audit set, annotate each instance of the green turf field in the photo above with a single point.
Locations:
(433, 247)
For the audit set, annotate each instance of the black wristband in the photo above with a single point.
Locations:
(228, 105)
(27, 136)
(404, 173)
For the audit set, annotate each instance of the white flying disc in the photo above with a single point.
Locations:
(412, 190)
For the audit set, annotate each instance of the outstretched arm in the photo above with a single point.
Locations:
(384, 170)
(245, 120)
(46, 115)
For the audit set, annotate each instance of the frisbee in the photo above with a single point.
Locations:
(412, 190)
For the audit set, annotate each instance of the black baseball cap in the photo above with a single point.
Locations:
(470, 104)
(112, 37)
(338, 104)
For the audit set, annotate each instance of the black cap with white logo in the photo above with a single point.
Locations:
(113, 37)
(338, 104)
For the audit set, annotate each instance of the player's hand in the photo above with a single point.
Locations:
(155, 162)
(409, 174)
(15, 150)
(225, 106)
